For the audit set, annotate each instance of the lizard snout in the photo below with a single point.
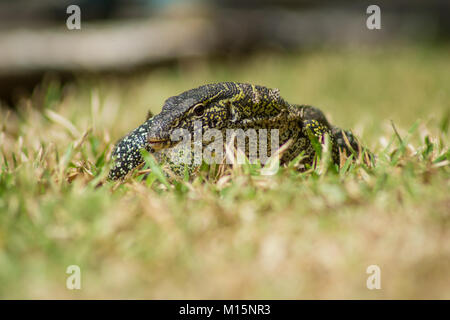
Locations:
(158, 139)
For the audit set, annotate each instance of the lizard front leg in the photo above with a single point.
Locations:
(318, 130)
(310, 113)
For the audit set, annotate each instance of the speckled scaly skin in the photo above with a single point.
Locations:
(230, 105)
(127, 154)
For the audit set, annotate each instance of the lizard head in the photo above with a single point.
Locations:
(218, 106)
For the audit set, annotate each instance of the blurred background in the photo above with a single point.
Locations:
(120, 37)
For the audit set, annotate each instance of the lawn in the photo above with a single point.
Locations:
(292, 235)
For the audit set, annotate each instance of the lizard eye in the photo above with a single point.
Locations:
(199, 110)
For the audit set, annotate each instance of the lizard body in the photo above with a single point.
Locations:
(224, 106)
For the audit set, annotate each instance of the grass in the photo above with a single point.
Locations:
(292, 235)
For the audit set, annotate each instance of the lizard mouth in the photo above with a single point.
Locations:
(158, 144)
